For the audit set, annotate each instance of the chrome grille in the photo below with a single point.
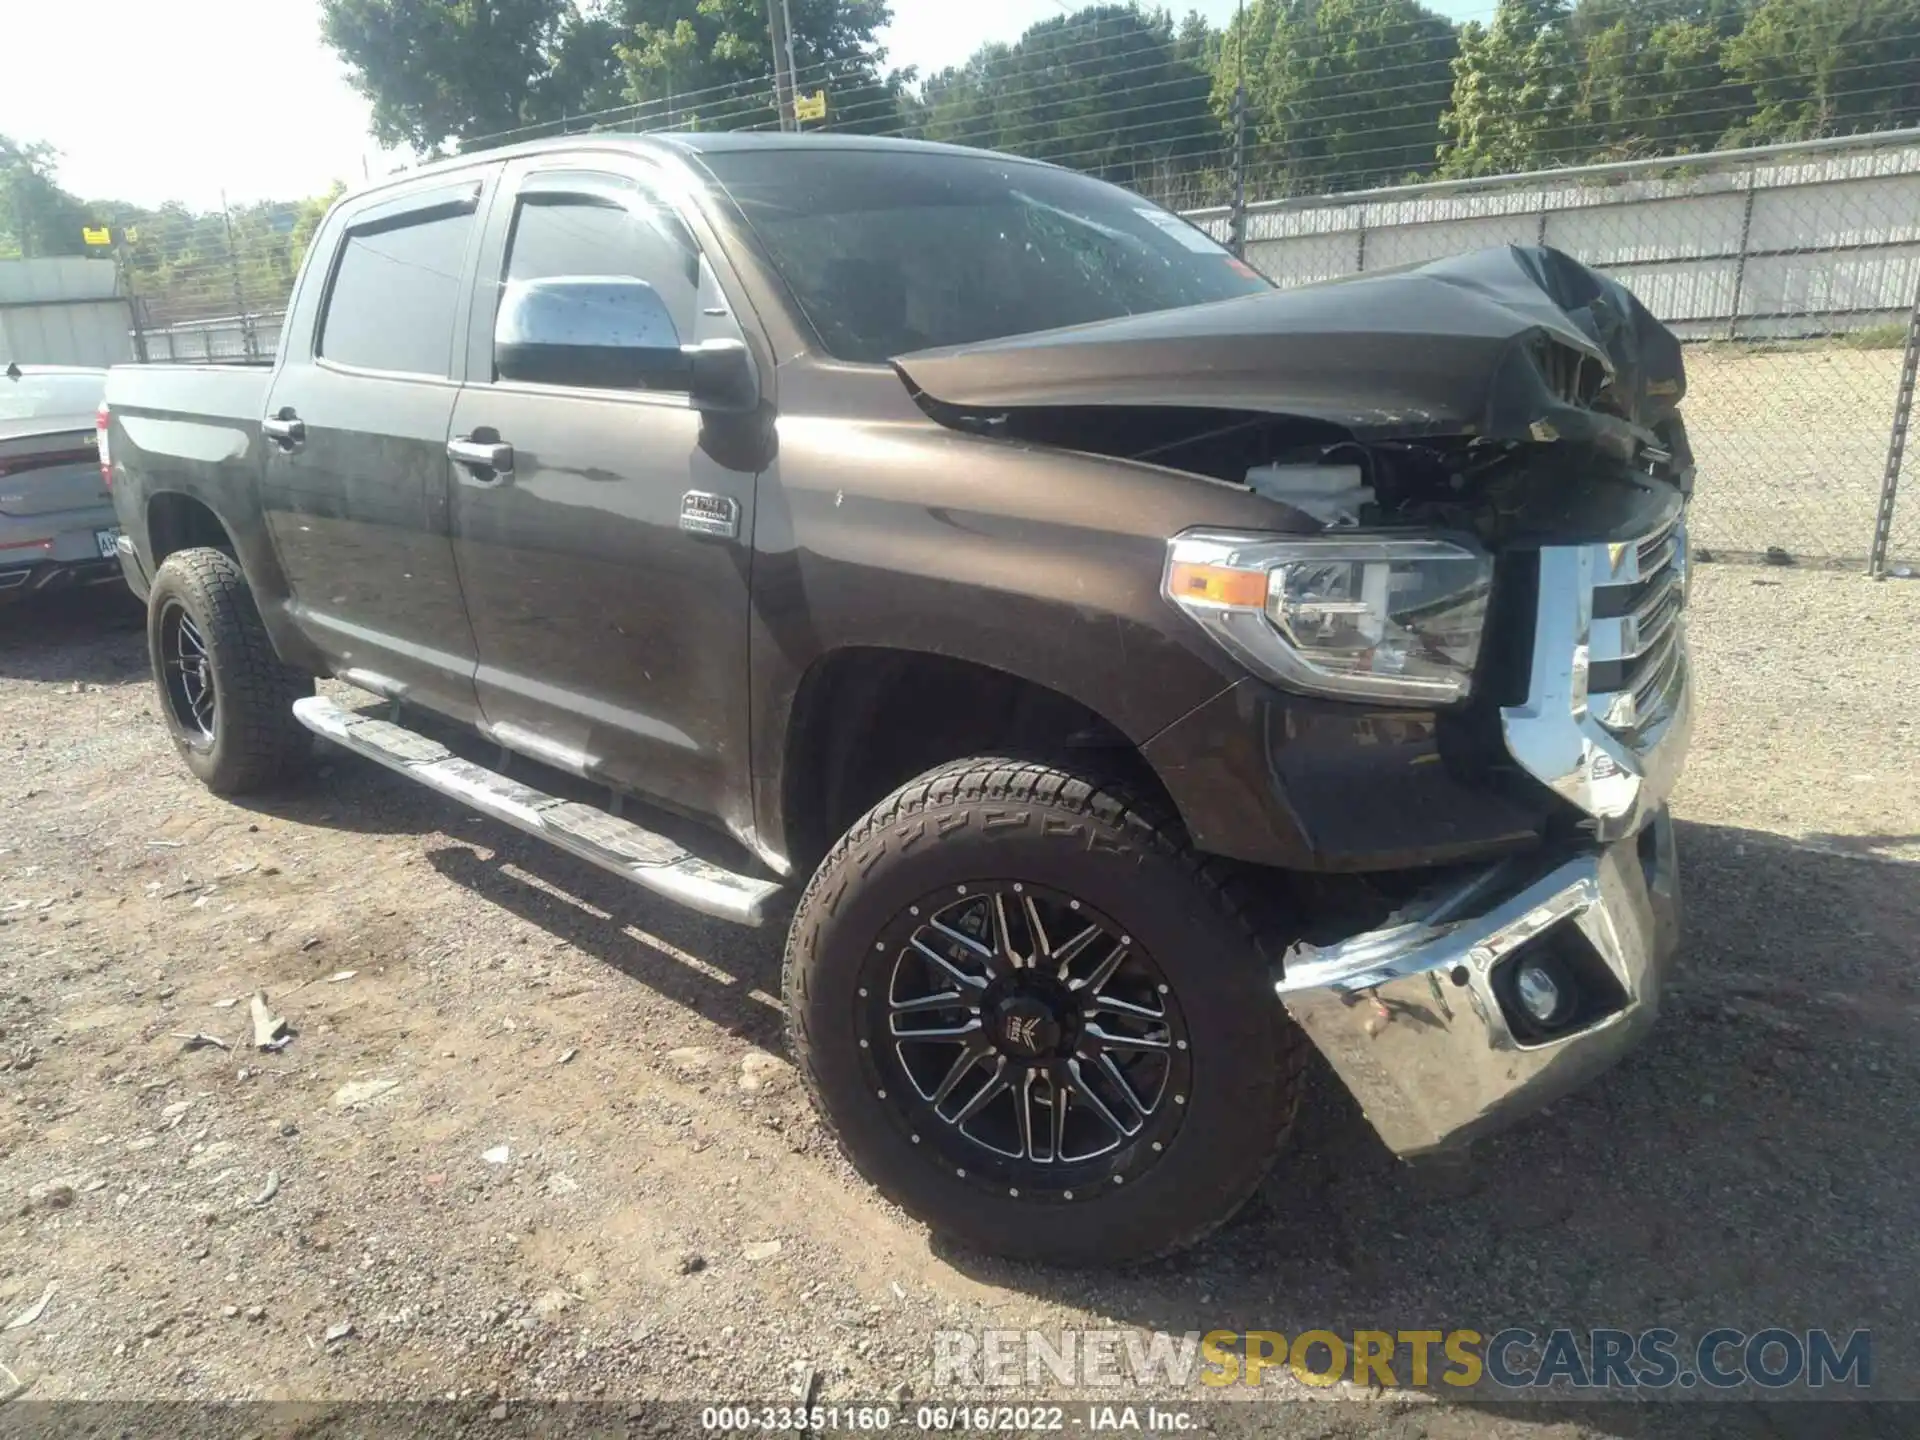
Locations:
(1607, 716)
(1638, 656)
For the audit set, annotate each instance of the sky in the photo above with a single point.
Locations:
(153, 100)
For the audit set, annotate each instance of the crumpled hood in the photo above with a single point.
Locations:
(1512, 343)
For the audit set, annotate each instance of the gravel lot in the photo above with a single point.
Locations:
(542, 1141)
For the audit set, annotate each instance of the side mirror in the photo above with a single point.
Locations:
(594, 331)
(724, 380)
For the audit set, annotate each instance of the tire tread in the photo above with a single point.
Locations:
(1227, 887)
(261, 743)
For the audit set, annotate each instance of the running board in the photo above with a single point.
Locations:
(651, 861)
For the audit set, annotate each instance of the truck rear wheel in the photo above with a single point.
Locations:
(1036, 1020)
(225, 695)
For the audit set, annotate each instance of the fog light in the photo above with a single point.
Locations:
(1541, 994)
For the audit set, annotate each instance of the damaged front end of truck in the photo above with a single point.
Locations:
(1482, 560)
(1494, 392)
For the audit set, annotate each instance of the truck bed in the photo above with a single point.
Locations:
(188, 431)
(220, 396)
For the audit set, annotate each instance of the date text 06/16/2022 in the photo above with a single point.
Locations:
(1041, 1418)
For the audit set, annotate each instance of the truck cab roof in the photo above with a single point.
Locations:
(685, 144)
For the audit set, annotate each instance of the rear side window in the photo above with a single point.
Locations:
(396, 293)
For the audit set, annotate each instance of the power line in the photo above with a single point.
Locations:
(739, 103)
(1097, 24)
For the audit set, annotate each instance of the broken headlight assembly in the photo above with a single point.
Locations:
(1356, 617)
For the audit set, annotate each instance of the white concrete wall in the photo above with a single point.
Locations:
(63, 311)
(1771, 244)
(93, 332)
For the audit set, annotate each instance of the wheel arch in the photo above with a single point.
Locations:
(178, 521)
(867, 718)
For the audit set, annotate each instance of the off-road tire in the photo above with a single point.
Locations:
(257, 744)
(1003, 819)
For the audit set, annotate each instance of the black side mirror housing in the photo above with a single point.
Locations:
(723, 379)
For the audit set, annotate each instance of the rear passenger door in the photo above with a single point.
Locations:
(356, 478)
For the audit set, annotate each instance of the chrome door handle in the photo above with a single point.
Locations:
(286, 430)
(482, 455)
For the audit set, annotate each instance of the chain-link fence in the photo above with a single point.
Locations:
(247, 338)
(211, 287)
(1793, 271)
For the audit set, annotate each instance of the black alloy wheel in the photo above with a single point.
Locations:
(1036, 1020)
(187, 677)
(1026, 1038)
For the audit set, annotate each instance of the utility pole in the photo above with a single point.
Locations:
(1237, 217)
(793, 75)
(239, 294)
(123, 256)
(782, 66)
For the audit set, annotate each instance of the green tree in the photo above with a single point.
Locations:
(1827, 67)
(1653, 78)
(307, 216)
(709, 63)
(1514, 88)
(1343, 93)
(440, 70)
(1114, 90)
(462, 71)
(37, 217)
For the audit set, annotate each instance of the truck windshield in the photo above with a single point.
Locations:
(31, 396)
(891, 252)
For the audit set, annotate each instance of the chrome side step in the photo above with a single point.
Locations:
(651, 861)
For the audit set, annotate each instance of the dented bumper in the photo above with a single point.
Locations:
(1422, 1022)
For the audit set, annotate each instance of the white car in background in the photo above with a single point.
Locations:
(57, 527)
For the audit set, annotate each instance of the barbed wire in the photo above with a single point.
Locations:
(1106, 27)
(754, 98)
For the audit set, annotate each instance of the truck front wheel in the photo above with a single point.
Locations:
(1036, 1020)
(225, 695)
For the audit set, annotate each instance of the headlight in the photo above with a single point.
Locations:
(1357, 616)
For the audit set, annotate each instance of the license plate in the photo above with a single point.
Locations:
(109, 543)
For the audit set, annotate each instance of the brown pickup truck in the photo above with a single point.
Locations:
(1120, 674)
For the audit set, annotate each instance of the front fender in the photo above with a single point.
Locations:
(899, 534)
(1263, 775)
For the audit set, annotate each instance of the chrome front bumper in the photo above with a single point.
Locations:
(1412, 1016)
(1409, 1018)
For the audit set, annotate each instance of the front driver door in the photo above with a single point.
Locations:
(611, 632)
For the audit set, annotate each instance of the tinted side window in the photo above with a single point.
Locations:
(596, 235)
(395, 295)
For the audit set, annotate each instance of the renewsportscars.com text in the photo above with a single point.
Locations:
(1515, 1358)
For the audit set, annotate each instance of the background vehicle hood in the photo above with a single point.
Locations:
(1513, 343)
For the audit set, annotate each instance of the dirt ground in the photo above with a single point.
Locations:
(535, 1135)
